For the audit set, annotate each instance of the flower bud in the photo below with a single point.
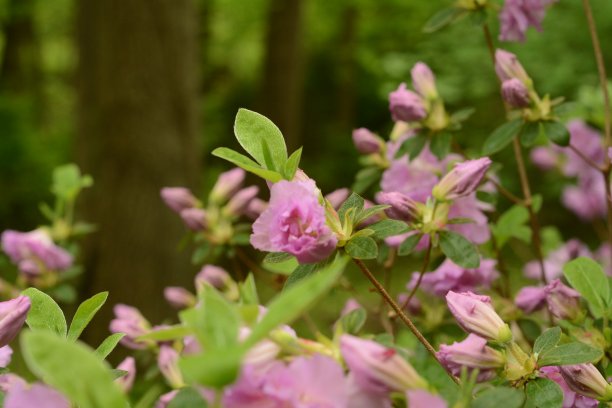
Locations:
(563, 301)
(366, 142)
(406, 105)
(462, 180)
(240, 201)
(214, 276)
(475, 314)
(227, 184)
(194, 218)
(507, 66)
(34, 252)
(179, 298)
(13, 314)
(424, 81)
(165, 399)
(586, 380)
(255, 208)
(167, 361)
(377, 368)
(126, 382)
(471, 353)
(515, 93)
(402, 208)
(530, 298)
(6, 354)
(337, 197)
(36, 395)
(178, 198)
(422, 398)
(130, 321)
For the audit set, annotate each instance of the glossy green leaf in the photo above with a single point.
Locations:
(412, 146)
(569, 353)
(256, 133)
(292, 164)
(547, 340)
(354, 201)
(302, 271)
(44, 313)
(459, 249)
(276, 257)
(588, 278)
(216, 320)
(108, 345)
(556, 132)
(73, 369)
(86, 311)
(245, 163)
(502, 136)
(362, 248)
(409, 244)
(543, 393)
(512, 224)
(387, 228)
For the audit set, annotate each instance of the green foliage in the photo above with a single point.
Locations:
(248, 291)
(443, 18)
(86, 311)
(362, 248)
(188, 397)
(440, 144)
(387, 228)
(569, 353)
(543, 393)
(511, 224)
(245, 163)
(72, 368)
(588, 278)
(502, 136)
(108, 345)
(353, 321)
(547, 340)
(301, 271)
(531, 132)
(68, 182)
(261, 138)
(408, 245)
(291, 165)
(44, 313)
(556, 132)
(491, 398)
(459, 249)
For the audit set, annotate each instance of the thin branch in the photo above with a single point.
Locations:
(421, 274)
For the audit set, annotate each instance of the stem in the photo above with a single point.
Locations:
(383, 292)
(421, 274)
(502, 190)
(586, 159)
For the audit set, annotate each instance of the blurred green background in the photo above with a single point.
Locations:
(139, 92)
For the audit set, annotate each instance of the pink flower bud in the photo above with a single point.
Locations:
(507, 67)
(178, 198)
(586, 380)
(239, 203)
(518, 15)
(126, 382)
(530, 298)
(462, 180)
(366, 142)
(377, 368)
(350, 305)
(13, 314)
(406, 105)
(545, 158)
(563, 301)
(194, 218)
(179, 298)
(424, 81)
(214, 276)
(167, 361)
(165, 399)
(515, 93)
(471, 353)
(255, 208)
(6, 354)
(36, 395)
(34, 251)
(130, 321)
(475, 314)
(402, 208)
(337, 197)
(227, 184)
(425, 399)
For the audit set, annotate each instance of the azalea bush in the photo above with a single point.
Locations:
(475, 324)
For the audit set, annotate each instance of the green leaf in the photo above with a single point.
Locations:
(530, 328)
(409, 244)
(255, 133)
(569, 353)
(502, 136)
(543, 393)
(412, 146)
(302, 271)
(556, 132)
(86, 311)
(354, 201)
(365, 178)
(73, 369)
(388, 228)
(108, 345)
(459, 249)
(297, 299)
(216, 320)
(442, 18)
(68, 182)
(547, 340)
(362, 248)
(292, 164)
(245, 163)
(511, 224)
(188, 397)
(177, 331)
(248, 291)
(368, 212)
(491, 398)
(353, 321)
(44, 313)
(588, 278)
(440, 144)
(462, 114)
(530, 133)
(216, 369)
(276, 257)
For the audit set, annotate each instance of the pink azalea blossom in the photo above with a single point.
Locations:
(570, 398)
(518, 15)
(473, 354)
(34, 252)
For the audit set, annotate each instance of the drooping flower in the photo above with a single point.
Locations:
(518, 15)
(462, 180)
(449, 276)
(34, 252)
(473, 354)
(377, 368)
(366, 142)
(570, 398)
(178, 198)
(586, 380)
(475, 314)
(13, 314)
(294, 222)
(406, 105)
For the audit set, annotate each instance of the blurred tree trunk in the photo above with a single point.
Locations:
(346, 66)
(137, 130)
(281, 93)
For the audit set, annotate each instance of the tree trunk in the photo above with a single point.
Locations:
(281, 93)
(137, 130)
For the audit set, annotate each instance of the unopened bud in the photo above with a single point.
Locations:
(462, 180)
(402, 208)
(586, 380)
(178, 198)
(507, 66)
(515, 93)
(475, 314)
(194, 218)
(227, 184)
(424, 81)
(366, 142)
(406, 105)
(473, 354)
(563, 301)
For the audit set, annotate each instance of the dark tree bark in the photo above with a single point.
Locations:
(347, 65)
(281, 93)
(137, 129)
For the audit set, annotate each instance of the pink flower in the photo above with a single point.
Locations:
(586, 380)
(350, 305)
(337, 197)
(167, 361)
(294, 222)
(376, 368)
(507, 66)
(449, 276)
(476, 231)
(554, 262)
(424, 81)
(366, 142)
(34, 252)
(544, 157)
(194, 218)
(37, 395)
(462, 180)
(563, 301)
(130, 321)
(518, 15)
(255, 208)
(227, 185)
(472, 353)
(422, 398)
(402, 207)
(360, 398)
(214, 276)
(13, 314)
(570, 398)
(178, 198)
(239, 203)
(126, 382)
(178, 297)
(475, 314)
(515, 93)
(6, 353)
(530, 298)
(406, 105)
